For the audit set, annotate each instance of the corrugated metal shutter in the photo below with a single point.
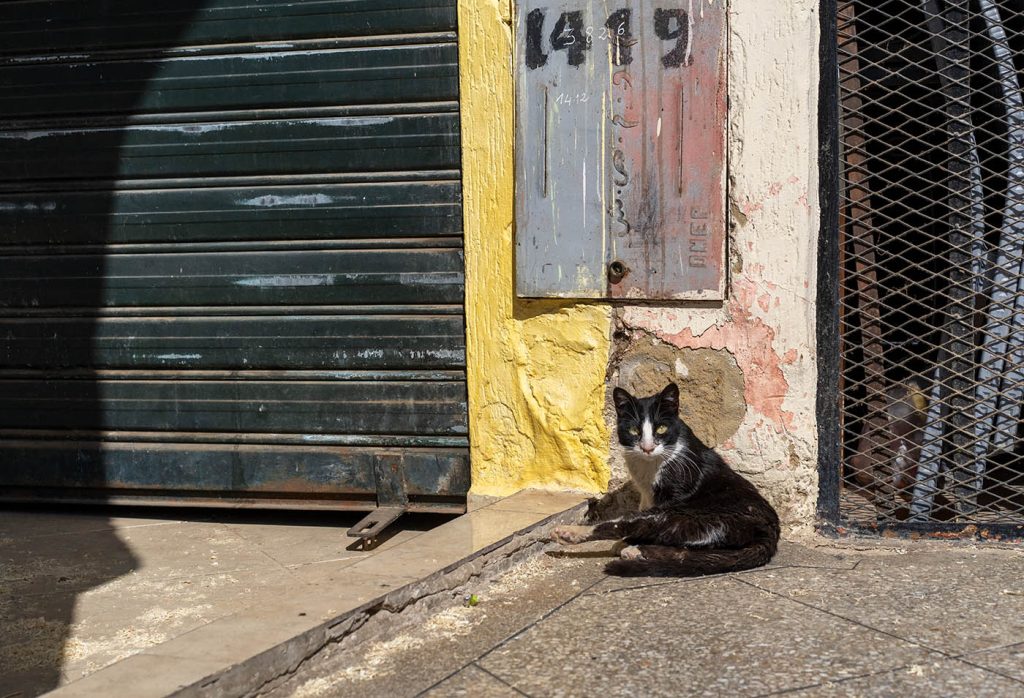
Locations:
(231, 251)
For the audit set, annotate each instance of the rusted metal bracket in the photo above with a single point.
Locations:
(371, 525)
(392, 499)
(873, 463)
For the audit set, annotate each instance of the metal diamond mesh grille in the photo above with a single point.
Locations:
(932, 260)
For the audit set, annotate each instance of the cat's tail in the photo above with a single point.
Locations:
(655, 561)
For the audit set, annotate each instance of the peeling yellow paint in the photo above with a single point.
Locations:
(536, 368)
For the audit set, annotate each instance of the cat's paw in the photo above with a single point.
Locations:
(631, 552)
(570, 535)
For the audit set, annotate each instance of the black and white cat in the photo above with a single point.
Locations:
(698, 516)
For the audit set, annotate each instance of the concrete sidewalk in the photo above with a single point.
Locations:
(850, 618)
(146, 602)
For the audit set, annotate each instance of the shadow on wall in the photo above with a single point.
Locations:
(72, 77)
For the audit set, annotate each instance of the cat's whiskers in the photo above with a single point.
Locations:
(692, 468)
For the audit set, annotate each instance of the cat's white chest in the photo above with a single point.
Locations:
(643, 472)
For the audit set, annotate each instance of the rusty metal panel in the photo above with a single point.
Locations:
(620, 149)
(257, 475)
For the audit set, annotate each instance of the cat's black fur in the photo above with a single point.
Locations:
(703, 517)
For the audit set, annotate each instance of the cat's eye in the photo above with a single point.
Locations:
(661, 430)
(633, 431)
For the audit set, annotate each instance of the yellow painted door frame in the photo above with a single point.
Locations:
(536, 369)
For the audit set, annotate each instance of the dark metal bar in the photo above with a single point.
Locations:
(829, 421)
(999, 371)
(872, 462)
(935, 530)
(952, 392)
(18, 497)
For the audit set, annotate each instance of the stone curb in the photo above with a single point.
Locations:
(380, 616)
(251, 652)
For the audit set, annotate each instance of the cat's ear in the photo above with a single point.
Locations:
(622, 400)
(669, 398)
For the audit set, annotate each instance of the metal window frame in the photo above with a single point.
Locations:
(828, 409)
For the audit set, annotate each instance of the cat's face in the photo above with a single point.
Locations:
(649, 427)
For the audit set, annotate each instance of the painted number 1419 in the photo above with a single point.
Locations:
(570, 35)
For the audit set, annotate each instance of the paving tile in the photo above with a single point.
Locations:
(26, 524)
(946, 677)
(539, 502)
(81, 591)
(138, 612)
(413, 658)
(276, 616)
(96, 598)
(64, 564)
(339, 580)
(238, 637)
(472, 682)
(617, 585)
(479, 501)
(448, 543)
(952, 600)
(793, 554)
(195, 547)
(141, 676)
(32, 640)
(86, 560)
(789, 555)
(1006, 660)
(713, 636)
(294, 545)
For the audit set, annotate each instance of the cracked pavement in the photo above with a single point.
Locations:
(826, 618)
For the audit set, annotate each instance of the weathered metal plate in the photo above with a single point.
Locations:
(318, 342)
(189, 212)
(350, 407)
(620, 143)
(396, 276)
(130, 24)
(266, 77)
(33, 469)
(235, 148)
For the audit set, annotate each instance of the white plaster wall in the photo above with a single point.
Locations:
(768, 323)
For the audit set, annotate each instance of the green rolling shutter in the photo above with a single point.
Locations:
(231, 263)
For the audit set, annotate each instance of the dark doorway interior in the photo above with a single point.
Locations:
(930, 261)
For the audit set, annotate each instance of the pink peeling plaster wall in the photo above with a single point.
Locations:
(767, 323)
